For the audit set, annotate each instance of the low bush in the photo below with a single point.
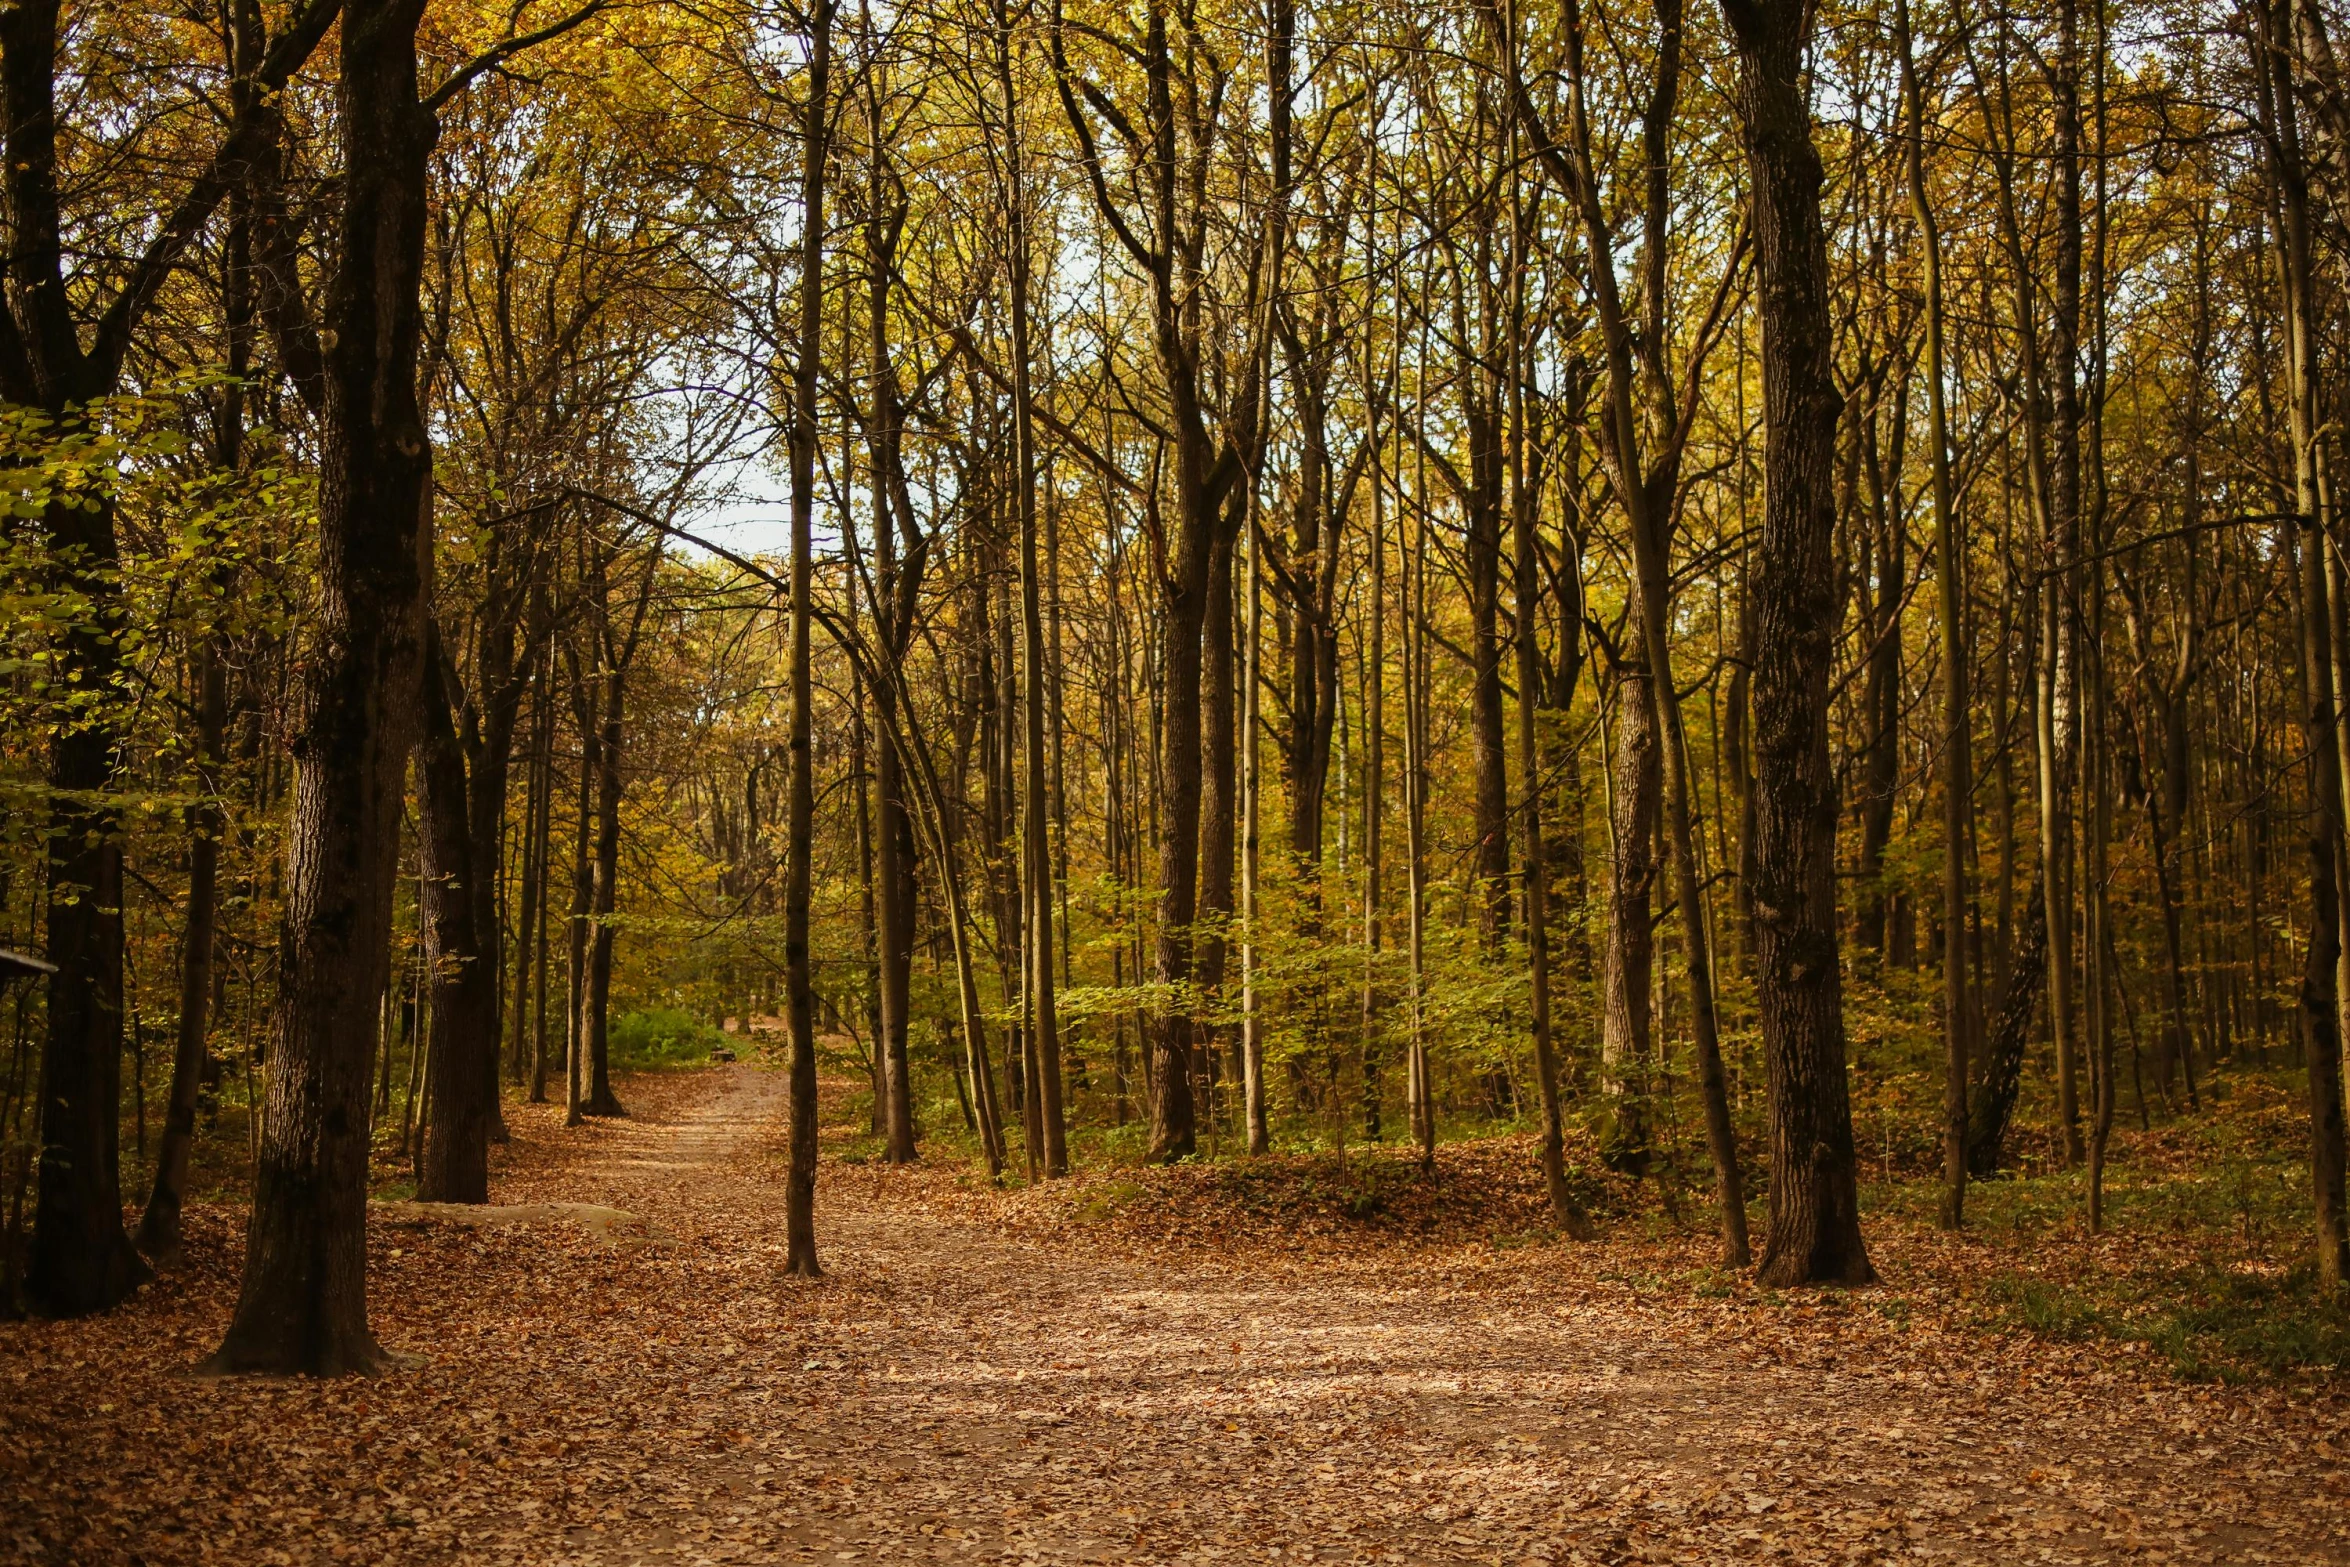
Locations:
(663, 1037)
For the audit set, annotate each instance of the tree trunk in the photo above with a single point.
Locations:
(896, 587)
(1481, 551)
(1950, 577)
(1814, 1234)
(2321, 998)
(2003, 1051)
(800, 828)
(583, 895)
(1630, 958)
(303, 1305)
(455, 1167)
(81, 1260)
(530, 980)
(1036, 862)
(159, 1224)
(600, 1098)
(1522, 501)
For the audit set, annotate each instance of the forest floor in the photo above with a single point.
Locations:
(654, 1390)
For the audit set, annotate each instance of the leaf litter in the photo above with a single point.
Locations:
(1114, 1369)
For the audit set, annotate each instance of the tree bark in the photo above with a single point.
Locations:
(455, 1166)
(303, 1304)
(1814, 1234)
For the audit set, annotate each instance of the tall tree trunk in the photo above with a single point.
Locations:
(159, 1223)
(303, 1304)
(1374, 781)
(530, 1059)
(2321, 998)
(1522, 501)
(1950, 574)
(800, 825)
(1814, 1234)
(1219, 808)
(1481, 552)
(1626, 967)
(1420, 1084)
(1036, 860)
(896, 589)
(1252, 1038)
(2060, 716)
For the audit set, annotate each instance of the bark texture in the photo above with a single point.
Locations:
(1814, 1234)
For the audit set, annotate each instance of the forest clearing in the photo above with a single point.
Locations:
(958, 1390)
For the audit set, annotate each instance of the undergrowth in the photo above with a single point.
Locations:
(2207, 1322)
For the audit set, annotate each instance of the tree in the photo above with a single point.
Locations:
(82, 1261)
(800, 1000)
(1814, 1235)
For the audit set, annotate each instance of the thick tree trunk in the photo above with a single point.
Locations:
(485, 736)
(1252, 1024)
(2060, 683)
(1173, 1132)
(303, 1305)
(1814, 1234)
(1219, 809)
(1630, 958)
(463, 1068)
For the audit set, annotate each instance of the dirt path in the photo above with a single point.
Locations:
(945, 1396)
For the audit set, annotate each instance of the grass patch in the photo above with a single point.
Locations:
(2210, 1324)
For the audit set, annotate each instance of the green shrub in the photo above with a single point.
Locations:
(663, 1037)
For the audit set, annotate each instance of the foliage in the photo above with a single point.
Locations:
(663, 1037)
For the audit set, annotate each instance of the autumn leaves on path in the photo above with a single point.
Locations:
(656, 1391)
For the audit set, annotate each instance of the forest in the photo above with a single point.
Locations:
(655, 651)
